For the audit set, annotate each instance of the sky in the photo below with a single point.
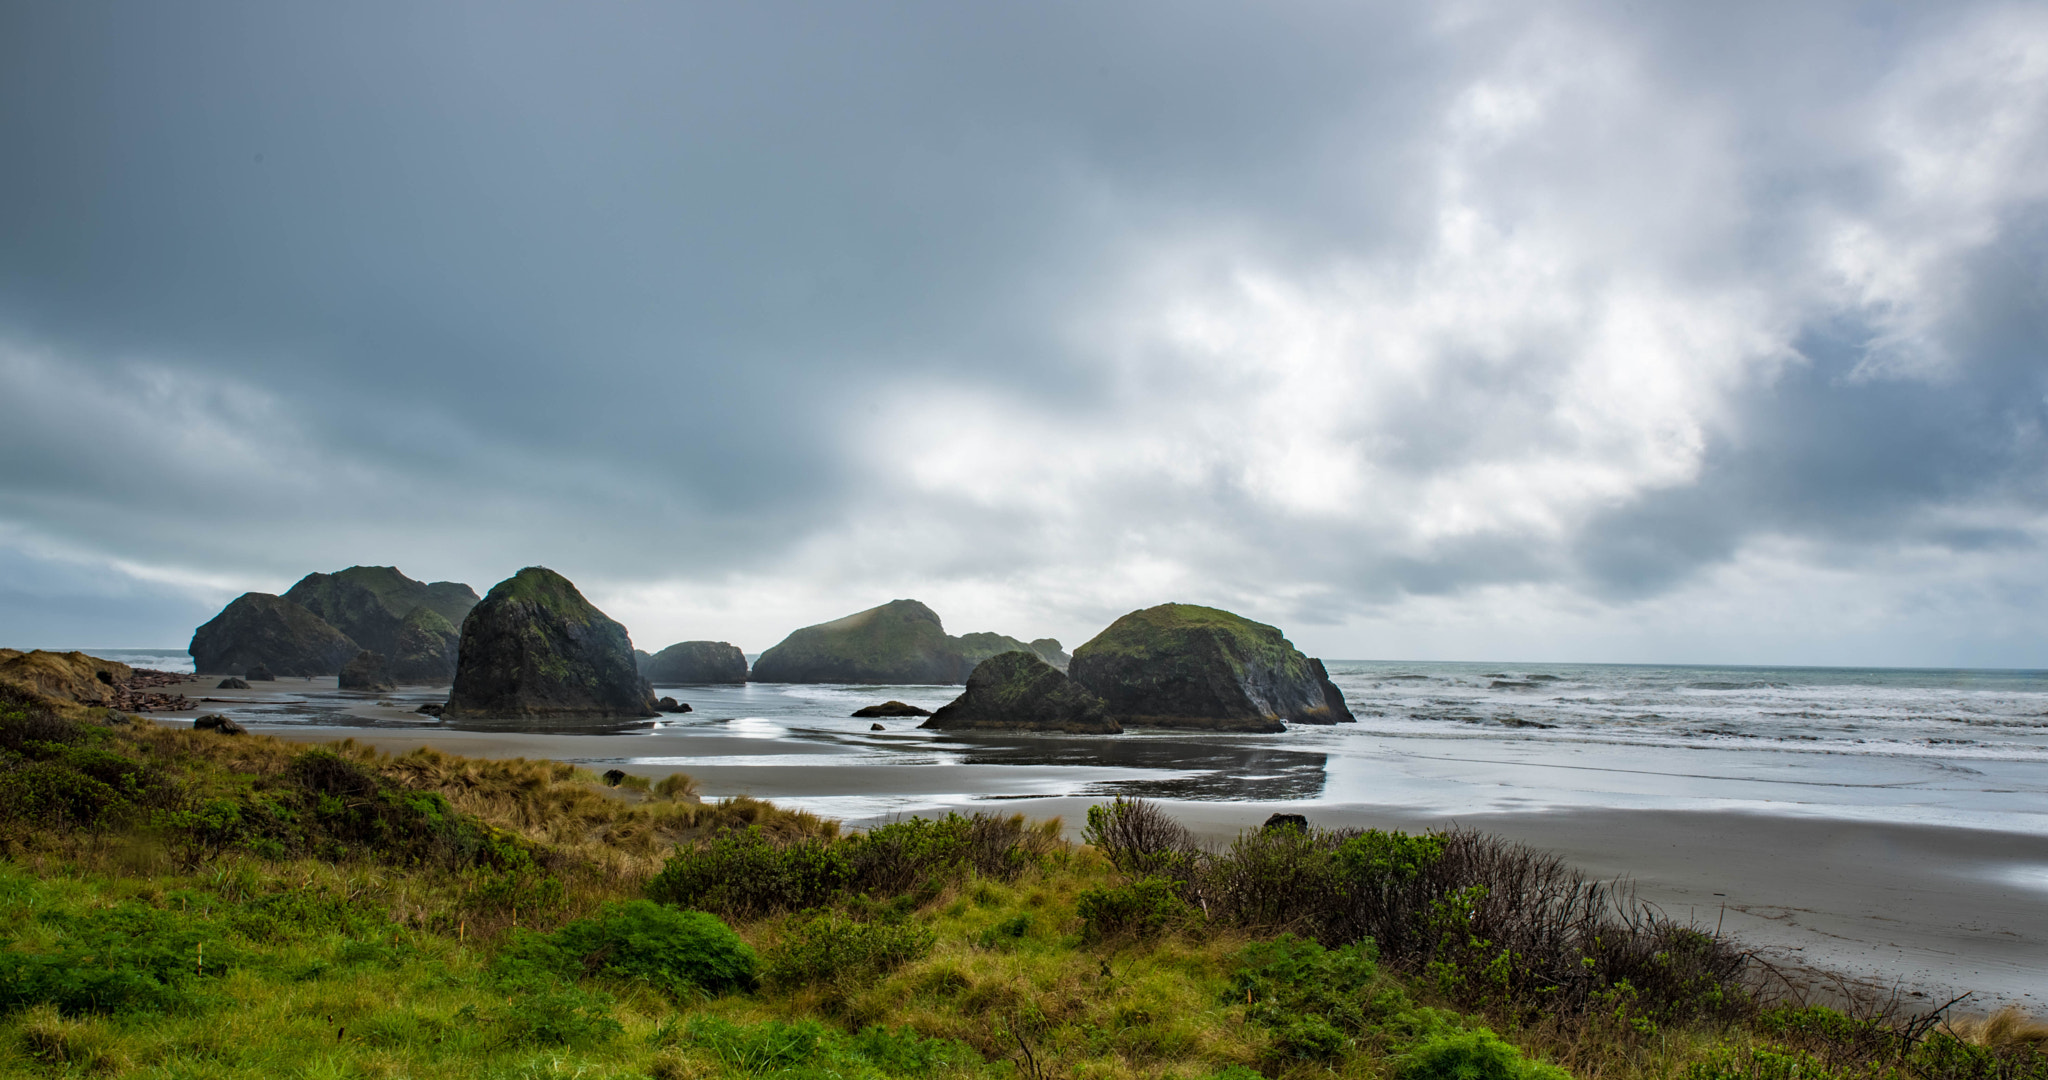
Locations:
(1518, 330)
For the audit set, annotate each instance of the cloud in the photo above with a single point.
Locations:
(1556, 318)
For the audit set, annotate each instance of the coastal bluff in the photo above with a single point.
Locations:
(534, 648)
(1202, 668)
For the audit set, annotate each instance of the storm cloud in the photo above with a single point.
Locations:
(1545, 331)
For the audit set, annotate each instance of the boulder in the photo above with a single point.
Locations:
(426, 649)
(671, 705)
(431, 708)
(1184, 666)
(1019, 691)
(1285, 821)
(534, 648)
(688, 663)
(1048, 649)
(218, 723)
(232, 683)
(260, 673)
(1334, 709)
(259, 631)
(368, 671)
(614, 777)
(876, 727)
(899, 642)
(889, 708)
(370, 603)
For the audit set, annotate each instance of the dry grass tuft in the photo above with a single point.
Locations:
(2009, 1028)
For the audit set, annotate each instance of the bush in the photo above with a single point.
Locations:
(676, 950)
(831, 948)
(124, 958)
(743, 873)
(1143, 907)
(1478, 1054)
(808, 1050)
(549, 1016)
(1138, 838)
(1290, 978)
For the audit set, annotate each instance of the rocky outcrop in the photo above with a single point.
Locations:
(231, 683)
(974, 648)
(1048, 650)
(1334, 709)
(368, 671)
(260, 673)
(534, 648)
(899, 642)
(671, 705)
(371, 603)
(259, 630)
(72, 677)
(889, 708)
(688, 663)
(1183, 666)
(426, 649)
(1019, 691)
(217, 723)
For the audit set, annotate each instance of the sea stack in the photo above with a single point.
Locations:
(427, 647)
(688, 663)
(386, 612)
(899, 642)
(534, 648)
(258, 630)
(1184, 666)
(368, 671)
(1019, 691)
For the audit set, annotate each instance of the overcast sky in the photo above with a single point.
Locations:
(1516, 330)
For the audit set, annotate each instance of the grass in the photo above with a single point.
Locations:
(527, 921)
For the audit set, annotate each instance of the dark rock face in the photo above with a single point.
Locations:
(1183, 666)
(1285, 821)
(889, 708)
(427, 648)
(431, 709)
(535, 648)
(232, 683)
(876, 727)
(259, 630)
(1334, 709)
(1048, 650)
(901, 641)
(1019, 691)
(614, 777)
(671, 705)
(368, 671)
(687, 663)
(219, 723)
(260, 673)
(640, 659)
(370, 603)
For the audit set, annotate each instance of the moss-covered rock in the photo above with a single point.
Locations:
(1019, 691)
(427, 648)
(1184, 666)
(534, 648)
(901, 641)
(688, 663)
(974, 648)
(371, 603)
(368, 671)
(1049, 650)
(1334, 709)
(259, 630)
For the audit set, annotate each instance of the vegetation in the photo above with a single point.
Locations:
(185, 904)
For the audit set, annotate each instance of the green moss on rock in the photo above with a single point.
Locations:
(901, 641)
(1186, 666)
(371, 603)
(427, 648)
(534, 648)
(1019, 691)
(259, 630)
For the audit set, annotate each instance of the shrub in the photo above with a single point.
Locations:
(550, 1016)
(1138, 838)
(1290, 978)
(124, 958)
(1478, 1054)
(743, 873)
(1142, 907)
(807, 1050)
(638, 939)
(831, 948)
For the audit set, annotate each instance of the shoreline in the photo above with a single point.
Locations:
(1932, 910)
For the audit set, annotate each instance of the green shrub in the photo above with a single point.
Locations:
(744, 873)
(551, 1016)
(808, 1050)
(1477, 1054)
(123, 958)
(677, 950)
(832, 948)
(1292, 978)
(1143, 907)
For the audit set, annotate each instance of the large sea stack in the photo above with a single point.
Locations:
(1019, 691)
(373, 604)
(261, 630)
(900, 642)
(534, 648)
(1183, 666)
(688, 663)
(427, 647)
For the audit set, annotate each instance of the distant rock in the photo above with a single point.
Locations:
(259, 631)
(1184, 666)
(671, 705)
(974, 648)
(218, 723)
(232, 683)
(900, 642)
(1049, 650)
(876, 727)
(641, 657)
(371, 603)
(1285, 821)
(889, 708)
(368, 671)
(431, 708)
(534, 648)
(427, 647)
(688, 663)
(1019, 691)
(261, 673)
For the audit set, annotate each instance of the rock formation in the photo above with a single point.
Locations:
(371, 604)
(1334, 709)
(1019, 691)
(1183, 666)
(231, 683)
(1048, 650)
(688, 663)
(259, 630)
(974, 648)
(426, 648)
(217, 722)
(899, 642)
(534, 648)
(368, 671)
(889, 708)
